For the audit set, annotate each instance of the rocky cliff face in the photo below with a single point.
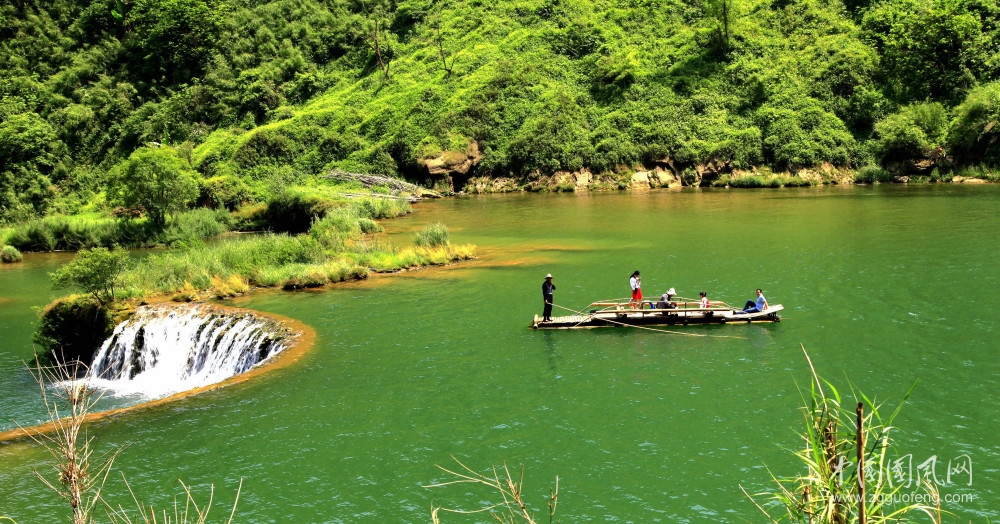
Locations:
(450, 170)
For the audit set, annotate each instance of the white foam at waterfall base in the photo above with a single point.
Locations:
(166, 350)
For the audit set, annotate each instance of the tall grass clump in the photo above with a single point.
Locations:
(513, 506)
(839, 436)
(75, 233)
(978, 171)
(245, 257)
(191, 227)
(388, 259)
(872, 175)
(337, 226)
(77, 474)
(795, 181)
(748, 181)
(432, 235)
(230, 286)
(61, 233)
(186, 510)
(382, 207)
(10, 255)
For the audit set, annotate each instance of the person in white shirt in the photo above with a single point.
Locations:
(635, 283)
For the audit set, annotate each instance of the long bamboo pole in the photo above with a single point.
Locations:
(862, 514)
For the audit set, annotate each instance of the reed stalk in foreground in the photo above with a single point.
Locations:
(512, 508)
(834, 489)
(80, 477)
(191, 513)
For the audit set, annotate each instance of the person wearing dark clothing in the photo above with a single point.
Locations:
(666, 300)
(548, 288)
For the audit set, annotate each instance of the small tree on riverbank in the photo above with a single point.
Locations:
(97, 271)
(156, 180)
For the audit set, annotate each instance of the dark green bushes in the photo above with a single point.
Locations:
(75, 233)
(260, 96)
(294, 210)
(81, 315)
(10, 255)
(916, 132)
(224, 191)
(973, 134)
(872, 175)
(803, 134)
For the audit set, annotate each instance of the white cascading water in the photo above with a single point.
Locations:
(168, 349)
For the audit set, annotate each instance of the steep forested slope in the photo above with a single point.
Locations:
(259, 94)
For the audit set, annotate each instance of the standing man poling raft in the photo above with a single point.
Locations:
(548, 289)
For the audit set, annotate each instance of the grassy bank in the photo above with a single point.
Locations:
(233, 265)
(339, 244)
(313, 240)
(292, 210)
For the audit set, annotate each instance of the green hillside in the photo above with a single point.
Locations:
(259, 95)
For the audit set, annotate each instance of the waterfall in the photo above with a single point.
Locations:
(166, 349)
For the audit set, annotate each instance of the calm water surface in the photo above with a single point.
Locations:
(884, 286)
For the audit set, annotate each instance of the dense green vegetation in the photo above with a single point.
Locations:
(334, 249)
(242, 98)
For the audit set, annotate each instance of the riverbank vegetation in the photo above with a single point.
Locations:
(338, 246)
(225, 102)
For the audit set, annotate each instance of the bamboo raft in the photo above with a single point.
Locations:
(622, 313)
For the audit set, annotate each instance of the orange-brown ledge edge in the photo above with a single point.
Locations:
(302, 339)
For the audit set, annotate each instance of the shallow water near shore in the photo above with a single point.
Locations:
(885, 286)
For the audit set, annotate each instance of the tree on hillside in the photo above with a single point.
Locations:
(974, 135)
(930, 48)
(96, 271)
(176, 36)
(915, 133)
(379, 39)
(29, 150)
(722, 12)
(156, 180)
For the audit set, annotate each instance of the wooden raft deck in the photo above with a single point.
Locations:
(657, 317)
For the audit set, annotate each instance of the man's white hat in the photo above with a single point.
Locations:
(549, 275)
(671, 291)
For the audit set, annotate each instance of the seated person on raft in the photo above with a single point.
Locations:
(665, 300)
(755, 306)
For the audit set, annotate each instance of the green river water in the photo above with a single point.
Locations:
(885, 287)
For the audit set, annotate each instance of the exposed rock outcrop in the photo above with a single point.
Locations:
(451, 169)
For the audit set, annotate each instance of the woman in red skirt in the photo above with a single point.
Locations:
(634, 283)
